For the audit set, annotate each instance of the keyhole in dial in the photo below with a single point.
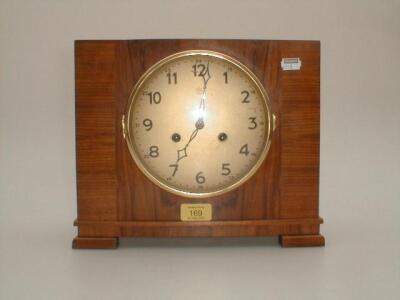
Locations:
(222, 136)
(176, 137)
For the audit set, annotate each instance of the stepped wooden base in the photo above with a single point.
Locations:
(292, 232)
(95, 243)
(314, 240)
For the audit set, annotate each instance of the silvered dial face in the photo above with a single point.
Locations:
(198, 123)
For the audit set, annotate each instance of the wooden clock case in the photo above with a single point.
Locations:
(116, 200)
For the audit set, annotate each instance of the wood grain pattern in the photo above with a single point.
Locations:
(112, 189)
(204, 229)
(95, 130)
(94, 243)
(307, 240)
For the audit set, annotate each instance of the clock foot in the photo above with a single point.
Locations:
(95, 243)
(310, 240)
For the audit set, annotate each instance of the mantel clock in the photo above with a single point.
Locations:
(197, 138)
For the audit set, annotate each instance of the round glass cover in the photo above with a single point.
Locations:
(198, 123)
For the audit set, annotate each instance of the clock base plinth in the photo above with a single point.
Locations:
(95, 243)
(307, 240)
(291, 232)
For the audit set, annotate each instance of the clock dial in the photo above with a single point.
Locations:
(198, 123)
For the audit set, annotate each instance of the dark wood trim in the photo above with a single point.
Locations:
(199, 229)
(95, 243)
(313, 240)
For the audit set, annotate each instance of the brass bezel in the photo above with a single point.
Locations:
(127, 134)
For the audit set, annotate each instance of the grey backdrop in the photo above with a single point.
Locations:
(360, 150)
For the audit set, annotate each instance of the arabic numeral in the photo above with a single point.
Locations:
(244, 150)
(253, 123)
(199, 69)
(175, 166)
(226, 77)
(153, 151)
(200, 179)
(172, 77)
(154, 97)
(246, 96)
(225, 169)
(148, 124)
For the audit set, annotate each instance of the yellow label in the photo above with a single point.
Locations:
(196, 212)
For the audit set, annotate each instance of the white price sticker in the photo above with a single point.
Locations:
(289, 64)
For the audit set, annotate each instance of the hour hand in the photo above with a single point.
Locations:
(182, 152)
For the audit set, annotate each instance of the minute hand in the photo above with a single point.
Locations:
(206, 77)
(202, 107)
